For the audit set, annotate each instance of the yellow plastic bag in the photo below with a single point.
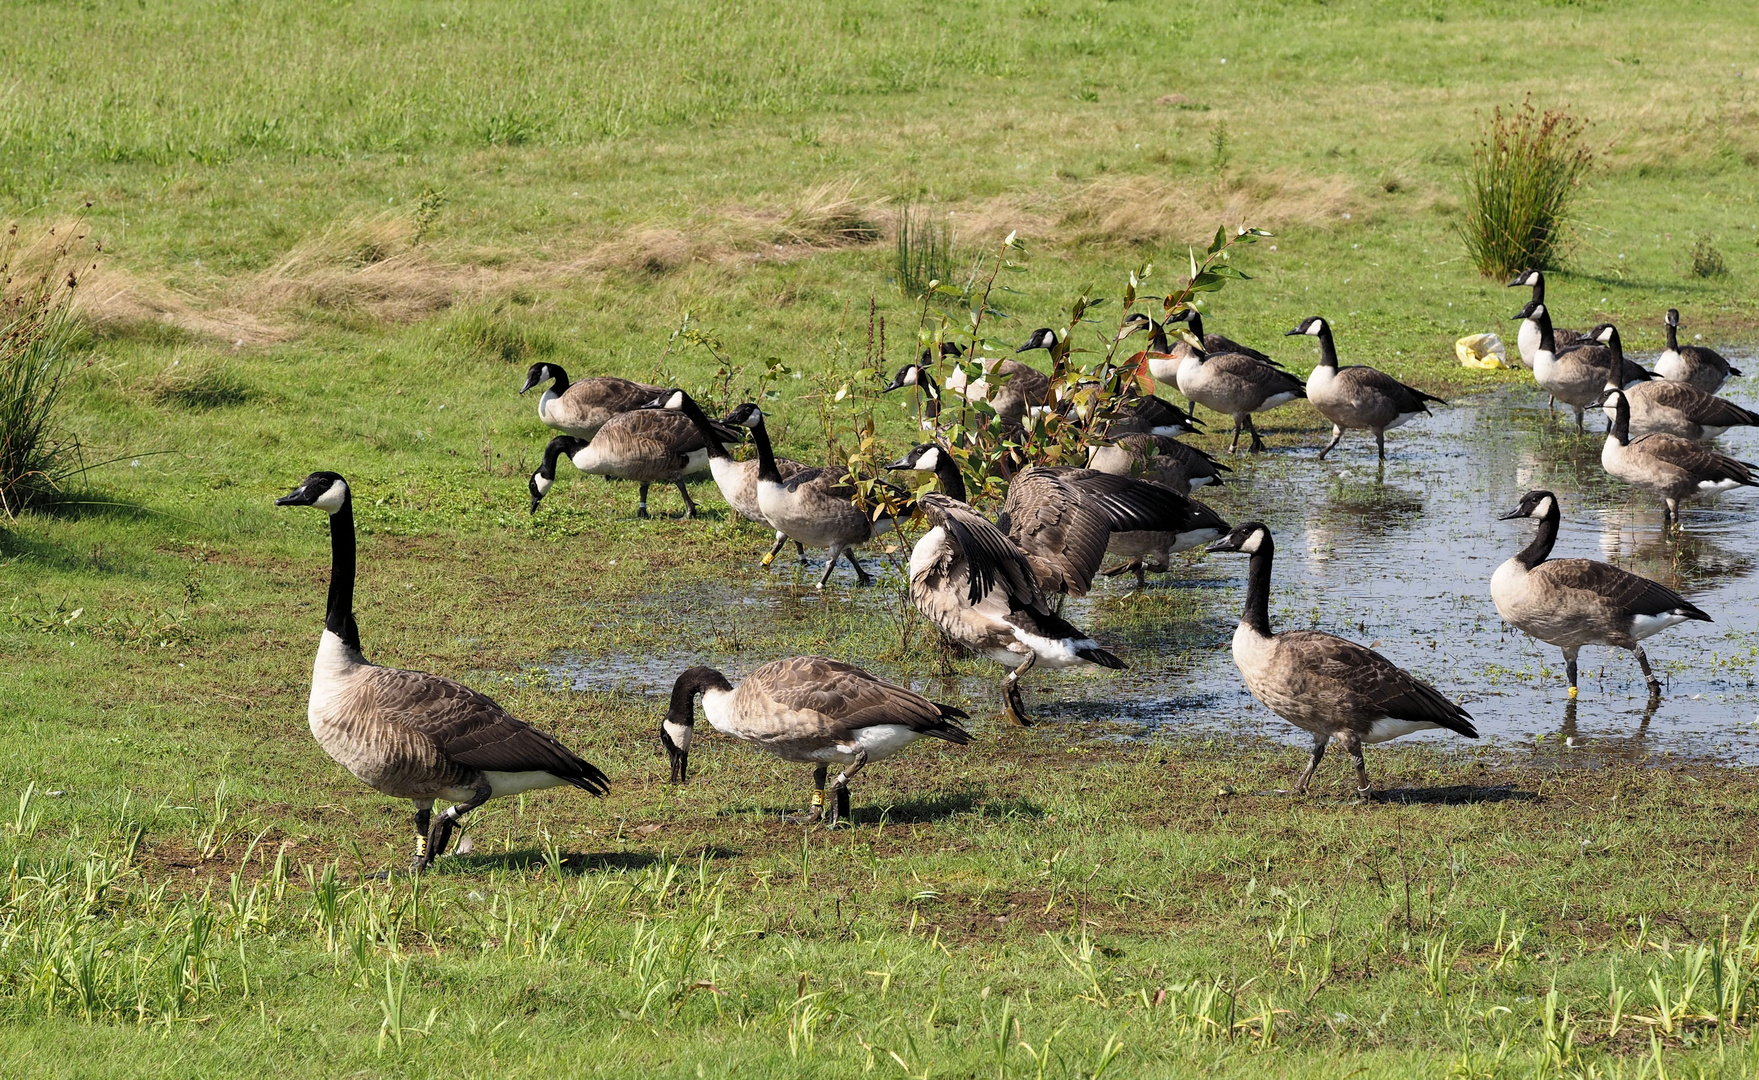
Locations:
(1482, 351)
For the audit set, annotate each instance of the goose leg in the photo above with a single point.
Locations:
(641, 507)
(1306, 776)
(775, 549)
(1648, 676)
(841, 784)
(441, 834)
(1353, 743)
(817, 809)
(1570, 669)
(1337, 434)
(1257, 443)
(1234, 447)
(424, 812)
(1380, 443)
(689, 507)
(1671, 510)
(862, 577)
(800, 550)
(830, 564)
(1012, 705)
(1580, 430)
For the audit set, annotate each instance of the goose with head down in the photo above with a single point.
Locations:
(1233, 384)
(810, 710)
(646, 446)
(1575, 602)
(409, 734)
(1332, 688)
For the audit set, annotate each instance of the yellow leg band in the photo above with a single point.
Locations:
(818, 798)
(1572, 691)
(767, 559)
(421, 847)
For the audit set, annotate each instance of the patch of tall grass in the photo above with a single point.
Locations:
(36, 337)
(922, 252)
(1526, 168)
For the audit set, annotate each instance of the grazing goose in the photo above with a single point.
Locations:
(811, 710)
(1334, 689)
(1147, 551)
(1527, 338)
(1575, 602)
(409, 734)
(815, 507)
(1357, 396)
(1158, 458)
(1665, 465)
(1230, 383)
(736, 479)
(1702, 367)
(1676, 408)
(1578, 377)
(646, 446)
(580, 409)
(974, 583)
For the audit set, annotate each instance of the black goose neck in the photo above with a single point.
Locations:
(1673, 338)
(766, 455)
(339, 611)
(560, 383)
(946, 470)
(931, 394)
(1544, 538)
(1257, 612)
(1547, 341)
(1538, 288)
(693, 412)
(1328, 352)
(1621, 421)
(552, 451)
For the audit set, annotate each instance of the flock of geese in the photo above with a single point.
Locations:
(995, 586)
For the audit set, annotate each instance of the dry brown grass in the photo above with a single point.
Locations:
(1144, 211)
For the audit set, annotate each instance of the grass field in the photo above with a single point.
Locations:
(333, 236)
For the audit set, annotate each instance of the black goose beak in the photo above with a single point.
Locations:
(529, 383)
(1292, 333)
(1226, 543)
(296, 497)
(536, 495)
(680, 759)
(901, 463)
(1517, 512)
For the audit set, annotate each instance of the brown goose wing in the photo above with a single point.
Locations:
(1046, 517)
(1630, 593)
(612, 394)
(1703, 408)
(1407, 399)
(1695, 458)
(656, 433)
(472, 731)
(991, 559)
(1372, 685)
(851, 699)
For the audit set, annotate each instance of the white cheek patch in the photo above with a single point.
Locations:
(541, 483)
(1538, 310)
(676, 401)
(1543, 509)
(331, 501)
(1251, 544)
(1315, 327)
(910, 377)
(930, 459)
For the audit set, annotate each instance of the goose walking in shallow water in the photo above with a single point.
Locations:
(1668, 466)
(409, 734)
(1336, 690)
(811, 710)
(1575, 602)
(1358, 397)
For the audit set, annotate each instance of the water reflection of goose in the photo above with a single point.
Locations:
(1353, 511)
(1636, 540)
(1630, 746)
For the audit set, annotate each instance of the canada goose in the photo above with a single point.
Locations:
(1666, 465)
(1230, 383)
(1147, 551)
(1575, 602)
(815, 507)
(1357, 396)
(983, 592)
(1129, 412)
(811, 710)
(1677, 408)
(1527, 338)
(1577, 377)
(1158, 458)
(1323, 684)
(581, 408)
(646, 446)
(409, 734)
(737, 480)
(1010, 387)
(1703, 367)
(919, 376)
(1216, 343)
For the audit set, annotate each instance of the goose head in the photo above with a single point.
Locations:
(680, 720)
(1607, 334)
(1042, 338)
(542, 372)
(546, 472)
(1527, 278)
(924, 457)
(1136, 321)
(1612, 400)
(1534, 504)
(325, 490)
(948, 348)
(909, 375)
(746, 415)
(1250, 539)
(1673, 317)
(1534, 310)
(670, 399)
(1312, 327)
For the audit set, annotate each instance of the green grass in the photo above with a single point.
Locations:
(276, 294)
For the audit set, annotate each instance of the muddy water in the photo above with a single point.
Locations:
(1399, 558)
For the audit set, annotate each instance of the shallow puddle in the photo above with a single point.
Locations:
(1398, 558)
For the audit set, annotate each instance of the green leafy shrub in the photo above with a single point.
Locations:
(1525, 170)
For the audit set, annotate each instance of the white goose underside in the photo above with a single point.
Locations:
(992, 612)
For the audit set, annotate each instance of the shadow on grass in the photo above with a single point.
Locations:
(913, 811)
(575, 863)
(1453, 795)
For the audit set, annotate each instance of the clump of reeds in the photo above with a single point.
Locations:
(923, 252)
(37, 281)
(1526, 168)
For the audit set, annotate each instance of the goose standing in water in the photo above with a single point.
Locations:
(580, 409)
(1677, 408)
(1698, 365)
(1163, 460)
(647, 446)
(1667, 466)
(1332, 688)
(985, 593)
(1357, 396)
(1527, 338)
(1232, 384)
(1575, 602)
(810, 710)
(1577, 377)
(409, 734)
